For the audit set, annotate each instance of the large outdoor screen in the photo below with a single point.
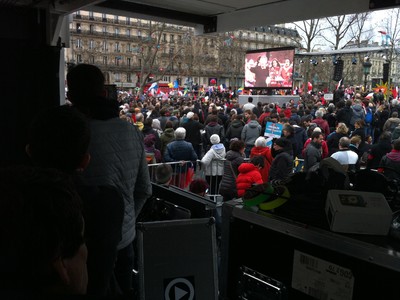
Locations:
(269, 68)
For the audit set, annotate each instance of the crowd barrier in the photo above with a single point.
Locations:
(184, 173)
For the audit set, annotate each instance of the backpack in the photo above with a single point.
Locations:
(368, 116)
(150, 158)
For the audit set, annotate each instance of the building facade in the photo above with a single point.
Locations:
(131, 51)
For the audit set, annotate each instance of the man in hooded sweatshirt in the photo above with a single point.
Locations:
(251, 131)
(213, 161)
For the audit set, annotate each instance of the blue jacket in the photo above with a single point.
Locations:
(180, 150)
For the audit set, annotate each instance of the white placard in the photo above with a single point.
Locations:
(321, 279)
(328, 97)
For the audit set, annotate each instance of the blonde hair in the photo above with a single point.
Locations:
(342, 128)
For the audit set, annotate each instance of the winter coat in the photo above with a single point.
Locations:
(392, 161)
(249, 174)
(251, 131)
(179, 150)
(234, 130)
(213, 160)
(344, 115)
(376, 152)
(149, 130)
(358, 113)
(163, 121)
(324, 146)
(232, 162)
(323, 124)
(282, 165)
(312, 156)
(391, 124)
(118, 159)
(209, 130)
(300, 137)
(265, 152)
(333, 142)
(166, 137)
(193, 134)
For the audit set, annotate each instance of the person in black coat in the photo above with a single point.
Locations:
(59, 138)
(233, 159)
(193, 134)
(378, 150)
(344, 114)
(148, 129)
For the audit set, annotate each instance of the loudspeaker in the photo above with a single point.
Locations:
(338, 72)
(177, 259)
(385, 72)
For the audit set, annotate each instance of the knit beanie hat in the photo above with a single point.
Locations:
(214, 139)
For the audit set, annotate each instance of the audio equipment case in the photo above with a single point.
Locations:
(177, 259)
(264, 256)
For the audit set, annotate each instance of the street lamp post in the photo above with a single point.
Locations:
(366, 69)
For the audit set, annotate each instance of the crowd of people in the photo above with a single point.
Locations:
(75, 207)
(313, 129)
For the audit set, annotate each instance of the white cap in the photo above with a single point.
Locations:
(190, 115)
(214, 139)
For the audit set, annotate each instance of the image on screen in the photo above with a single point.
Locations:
(269, 68)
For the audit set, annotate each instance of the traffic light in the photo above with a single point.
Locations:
(338, 72)
(385, 72)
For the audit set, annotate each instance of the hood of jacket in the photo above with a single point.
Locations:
(357, 107)
(212, 124)
(394, 155)
(219, 150)
(236, 123)
(263, 151)
(231, 155)
(169, 132)
(247, 167)
(253, 124)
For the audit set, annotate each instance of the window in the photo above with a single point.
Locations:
(91, 59)
(78, 14)
(104, 29)
(79, 58)
(139, 33)
(116, 47)
(128, 61)
(164, 37)
(128, 32)
(116, 20)
(172, 38)
(79, 43)
(179, 38)
(128, 21)
(91, 44)
(140, 62)
(91, 28)
(117, 76)
(78, 28)
(104, 60)
(128, 47)
(116, 60)
(116, 31)
(91, 17)
(167, 78)
(129, 77)
(104, 17)
(105, 46)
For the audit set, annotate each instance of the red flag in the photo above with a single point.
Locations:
(382, 32)
(394, 92)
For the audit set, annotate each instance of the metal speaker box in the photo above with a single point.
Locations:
(178, 259)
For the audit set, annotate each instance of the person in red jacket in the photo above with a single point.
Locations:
(260, 148)
(249, 174)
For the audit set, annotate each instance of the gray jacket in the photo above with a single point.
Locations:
(251, 131)
(118, 159)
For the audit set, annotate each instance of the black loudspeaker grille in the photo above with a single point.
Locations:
(338, 72)
(385, 72)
